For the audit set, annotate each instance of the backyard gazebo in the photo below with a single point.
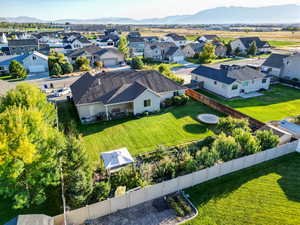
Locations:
(116, 159)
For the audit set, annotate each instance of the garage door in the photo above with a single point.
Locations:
(110, 62)
(36, 69)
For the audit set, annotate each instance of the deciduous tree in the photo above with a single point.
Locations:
(17, 70)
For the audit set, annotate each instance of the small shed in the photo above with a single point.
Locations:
(34, 219)
(116, 159)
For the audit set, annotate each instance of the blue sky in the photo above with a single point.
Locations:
(137, 9)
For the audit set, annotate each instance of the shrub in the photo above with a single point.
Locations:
(67, 68)
(17, 70)
(56, 70)
(227, 147)
(249, 143)
(207, 157)
(168, 102)
(228, 125)
(165, 169)
(295, 79)
(177, 208)
(184, 205)
(267, 139)
(177, 100)
(186, 163)
(98, 64)
(80, 61)
(100, 192)
(137, 63)
(85, 67)
(129, 177)
(121, 190)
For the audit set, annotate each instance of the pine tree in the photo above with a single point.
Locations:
(137, 63)
(56, 70)
(252, 49)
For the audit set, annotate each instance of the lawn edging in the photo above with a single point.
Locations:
(140, 195)
(193, 206)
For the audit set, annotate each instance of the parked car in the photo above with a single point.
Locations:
(62, 92)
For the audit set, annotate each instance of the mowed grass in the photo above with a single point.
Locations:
(276, 104)
(275, 43)
(172, 126)
(261, 195)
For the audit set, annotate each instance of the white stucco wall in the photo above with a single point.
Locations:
(35, 61)
(138, 103)
(237, 44)
(90, 110)
(271, 70)
(291, 67)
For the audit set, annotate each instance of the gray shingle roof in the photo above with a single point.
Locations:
(275, 60)
(93, 49)
(210, 36)
(171, 51)
(23, 42)
(248, 40)
(176, 37)
(228, 76)
(121, 86)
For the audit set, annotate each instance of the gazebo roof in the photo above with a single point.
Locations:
(116, 158)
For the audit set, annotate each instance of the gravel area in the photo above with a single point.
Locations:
(155, 212)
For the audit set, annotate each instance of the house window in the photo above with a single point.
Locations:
(234, 87)
(34, 57)
(147, 103)
(176, 93)
(264, 81)
(215, 82)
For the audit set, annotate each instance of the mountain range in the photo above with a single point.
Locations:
(221, 15)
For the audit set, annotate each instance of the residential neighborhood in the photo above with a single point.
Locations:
(151, 119)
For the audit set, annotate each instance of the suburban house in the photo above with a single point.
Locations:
(151, 39)
(163, 52)
(291, 67)
(23, 46)
(191, 49)
(136, 46)
(110, 95)
(50, 38)
(80, 42)
(231, 81)
(243, 44)
(34, 62)
(220, 49)
(134, 34)
(273, 64)
(108, 56)
(208, 38)
(178, 40)
(110, 40)
(3, 39)
(111, 31)
(18, 35)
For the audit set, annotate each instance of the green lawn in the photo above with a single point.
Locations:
(261, 195)
(283, 43)
(172, 126)
(276, 104)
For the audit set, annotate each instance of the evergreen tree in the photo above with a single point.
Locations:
(252, 49)
(17, 70)
(80, 61)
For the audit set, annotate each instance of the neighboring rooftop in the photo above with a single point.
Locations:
(247, 41)
(275, 60)
(230, 74)
(23, 42)
(122, 86)
(176, 37)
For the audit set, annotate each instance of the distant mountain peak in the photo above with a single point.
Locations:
(289, 13)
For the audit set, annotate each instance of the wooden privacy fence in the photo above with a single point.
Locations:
(254, 123)
(135, 197)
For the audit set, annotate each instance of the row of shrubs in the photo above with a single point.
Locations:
(234, 140)
(181, 207)
(176, 101)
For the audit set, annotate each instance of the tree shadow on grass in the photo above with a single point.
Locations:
(286, 166)
(197, 128)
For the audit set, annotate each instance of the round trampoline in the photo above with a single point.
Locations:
(208, 118)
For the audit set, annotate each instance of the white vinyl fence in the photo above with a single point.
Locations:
(136, 197)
